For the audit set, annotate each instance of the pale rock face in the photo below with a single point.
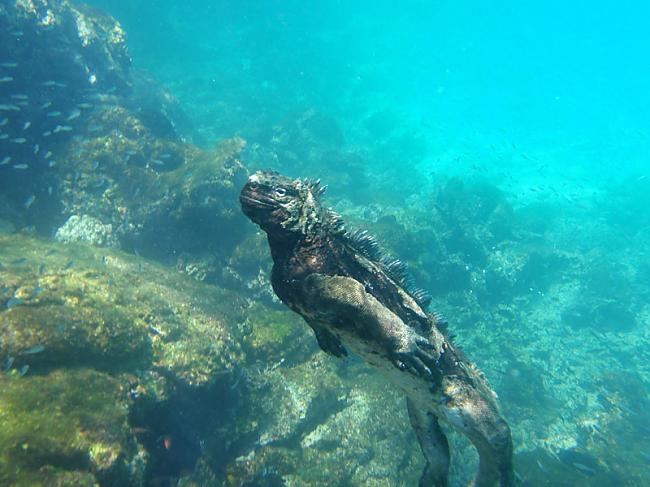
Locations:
(87, 229)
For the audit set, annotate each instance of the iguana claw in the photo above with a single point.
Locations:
(410, 362)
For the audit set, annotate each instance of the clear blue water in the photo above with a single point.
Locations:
(565, 83)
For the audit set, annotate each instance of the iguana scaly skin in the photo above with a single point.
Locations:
(354, 298)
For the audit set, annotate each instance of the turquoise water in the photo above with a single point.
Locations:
(496, 81)
(501, 149)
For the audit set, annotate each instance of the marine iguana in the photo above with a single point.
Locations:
(355, 298)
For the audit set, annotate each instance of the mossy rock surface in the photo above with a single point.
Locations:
(272, 335)
(66, 301)
(86, 334)
(72, 305)
(68, 427)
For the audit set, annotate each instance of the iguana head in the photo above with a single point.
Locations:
(282, 206)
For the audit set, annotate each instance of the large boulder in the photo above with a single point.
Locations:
(97, 347)
(60, 62)
(66, 85)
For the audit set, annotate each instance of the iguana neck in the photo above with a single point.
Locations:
(283, 247)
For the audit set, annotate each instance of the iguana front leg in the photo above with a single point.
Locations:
(327, 341)
(343, 303)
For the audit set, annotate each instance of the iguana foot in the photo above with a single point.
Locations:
(420, 359)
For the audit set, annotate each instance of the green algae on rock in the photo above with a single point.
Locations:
(112, 311)
(159, 195)
(77, 315)
(315, 427)
(68, 427)
(110, 332)
(273, 335)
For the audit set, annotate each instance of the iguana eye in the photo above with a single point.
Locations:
(280, 191)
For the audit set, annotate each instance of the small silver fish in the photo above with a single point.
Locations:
(26, 125)
(6, 160)
(29, 202)
(8, 363)
(4, 136)
(48, 83)
(52, 163)
(54, 114)
(6, 79)
(33, 350)
(45, 105)
(84, 105)
(19, 140)
(4, 122)
(47, 133)
(19, 96)
(73, 114)
(23, 370)
(47, 155)
(21, 166)
(36, 148)
(8, 65)
(14, 302)
(61, 128)
(9, 108)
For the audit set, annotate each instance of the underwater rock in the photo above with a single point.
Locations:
(502, 271)
(86, 229)
(476, 216)
(67, 427)
(162, 341)
(200, 267)
(323, 423)
(600, 314)
(97, 307)
(158, 109)
(33, 35)
(69, 98)
(58, 60)
(519, 269)
(100, 157)
(161, 197)
(248, 270)
(69, 307)
(275, 335)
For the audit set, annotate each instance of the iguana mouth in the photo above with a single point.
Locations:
(252, 198)
(254, 201)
